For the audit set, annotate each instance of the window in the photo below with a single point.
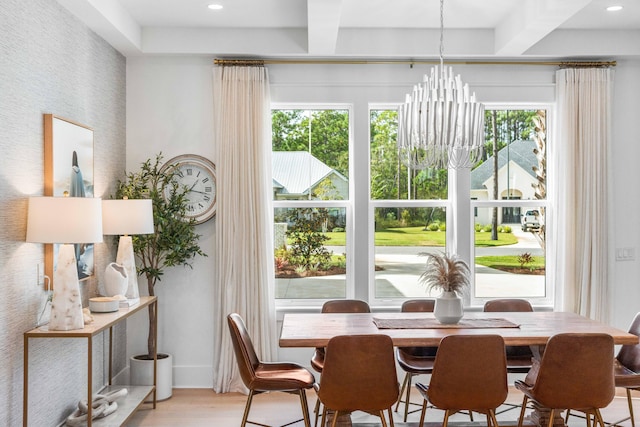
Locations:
(409, 212)
(510, 231)
(310, 163)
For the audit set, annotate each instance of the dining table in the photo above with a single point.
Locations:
(531, 329)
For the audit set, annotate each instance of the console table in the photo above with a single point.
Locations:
(102, 321)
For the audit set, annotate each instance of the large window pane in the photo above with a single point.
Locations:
(514, 157)
(310, 154)
(310, 258)
(402, 236)
(310, 160)
(509, 262)
(392, 180)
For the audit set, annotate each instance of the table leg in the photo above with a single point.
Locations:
(344, 420)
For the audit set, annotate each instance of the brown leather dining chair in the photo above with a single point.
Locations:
(626, 370)
(519, 358)
(575, 373)
(470, 372)
(414, 360)
(334, 306)
(260, 377)
(359, 375)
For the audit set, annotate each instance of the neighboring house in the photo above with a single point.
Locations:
(298, 173)
(515, 178)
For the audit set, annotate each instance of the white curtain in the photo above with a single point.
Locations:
(583, 201)
(244, 219)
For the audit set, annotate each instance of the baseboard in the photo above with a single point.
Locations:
(193, 376)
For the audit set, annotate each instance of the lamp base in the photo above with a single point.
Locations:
(66, 306)
(126, 258)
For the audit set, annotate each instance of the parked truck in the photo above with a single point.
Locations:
(531, 220)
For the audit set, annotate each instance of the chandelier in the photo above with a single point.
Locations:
(440, 124)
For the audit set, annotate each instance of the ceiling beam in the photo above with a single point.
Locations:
(323, 23)
(532, 22)
(111, 21)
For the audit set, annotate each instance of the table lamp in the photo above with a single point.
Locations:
(65, 220)
(125, 217)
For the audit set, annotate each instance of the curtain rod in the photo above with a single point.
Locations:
(262, 62)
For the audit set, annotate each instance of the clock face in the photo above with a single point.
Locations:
(198, 175)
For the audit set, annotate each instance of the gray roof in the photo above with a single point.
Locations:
(520, 152)
(295, 172)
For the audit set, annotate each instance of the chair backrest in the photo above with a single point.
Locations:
(243, 348)
(629, 355)
(508, 304)
(359, 374)
(418, 305)
(576, 371)
(470, 372)
(345, 306)
(422, 305)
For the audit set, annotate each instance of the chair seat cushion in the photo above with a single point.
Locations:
(625, 377)
(281, 376)
(414, 364)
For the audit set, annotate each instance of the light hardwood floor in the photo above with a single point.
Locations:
(203, 407)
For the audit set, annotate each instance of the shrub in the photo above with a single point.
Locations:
(487, 228)
(443, 226)
(338, 230)
(434, 226)
(525, 258)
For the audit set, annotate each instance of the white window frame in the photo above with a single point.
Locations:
(346, 204)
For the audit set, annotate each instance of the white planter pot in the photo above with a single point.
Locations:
(141, 373)
(448, 309)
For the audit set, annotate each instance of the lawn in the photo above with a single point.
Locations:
(416, 236)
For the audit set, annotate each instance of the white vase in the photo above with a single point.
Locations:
(448, 309)
(115, 280)
(141, 373)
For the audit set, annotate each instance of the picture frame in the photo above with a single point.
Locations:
(68, 169)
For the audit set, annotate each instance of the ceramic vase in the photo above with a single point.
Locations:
(448, 309)
(115, 280)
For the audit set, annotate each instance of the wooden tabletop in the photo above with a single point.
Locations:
(315, 329)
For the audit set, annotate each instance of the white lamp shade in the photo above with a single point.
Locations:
(127, 216)
(64, 220)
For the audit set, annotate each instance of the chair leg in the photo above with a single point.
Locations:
(247, 406)
(305, 407)
(630, 402)
(551, 415)
(336, 415)
(408, 397)
(404, 384)
(522, 410)
(390, 417)
(492, 412)
(566, 417)
(423, 413)
(316, 410)
(445, 422)
(382, 418)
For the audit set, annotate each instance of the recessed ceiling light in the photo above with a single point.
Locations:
(614, 8)
(215, 6)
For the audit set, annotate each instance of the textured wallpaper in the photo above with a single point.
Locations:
(50, 63)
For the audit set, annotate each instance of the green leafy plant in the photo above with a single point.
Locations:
(307, 239)
(174, 241)
(445, 272)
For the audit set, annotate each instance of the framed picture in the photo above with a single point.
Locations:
(68, 170)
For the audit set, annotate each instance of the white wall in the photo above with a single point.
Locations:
(169, 109)
(50, 63)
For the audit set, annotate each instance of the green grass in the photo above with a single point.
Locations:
(507, 261)
(416, 236)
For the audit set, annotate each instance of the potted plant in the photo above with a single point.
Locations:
(449, 274)
(174, 242)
